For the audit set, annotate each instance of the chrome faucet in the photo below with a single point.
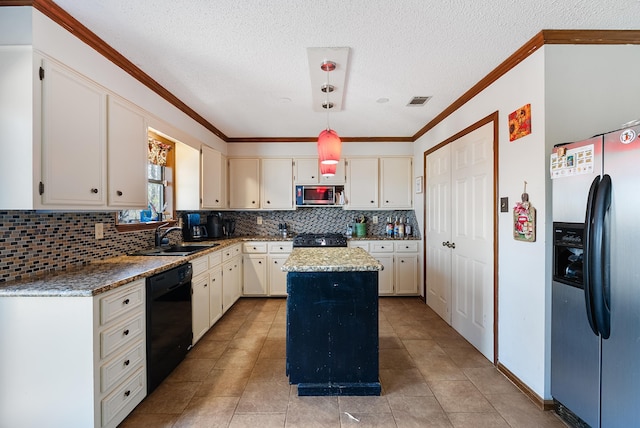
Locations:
(160, 234)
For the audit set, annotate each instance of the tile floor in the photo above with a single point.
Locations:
(430, 376)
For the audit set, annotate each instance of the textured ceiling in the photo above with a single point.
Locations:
(243, 65)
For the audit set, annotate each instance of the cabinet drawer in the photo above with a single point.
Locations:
(121, 301)
(121, 366)
(254, 247)
(215, 259)
(407, 247)
(231, 252)
(121, 397)
(121, 334)
(359, 244)
(381, 247)
(200, 265)
(280, 247)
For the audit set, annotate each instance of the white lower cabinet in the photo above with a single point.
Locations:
(206, 296)
(261, 268)
(72, 361)
(278, 254)
(400, 265)
(231, 275)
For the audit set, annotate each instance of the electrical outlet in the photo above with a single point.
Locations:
(375, 219)
(99, 230)
(259, 220)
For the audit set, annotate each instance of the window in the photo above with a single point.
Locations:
(159, 188)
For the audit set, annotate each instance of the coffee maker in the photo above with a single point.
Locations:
(229, 227)
(215, 226)
(192, 229)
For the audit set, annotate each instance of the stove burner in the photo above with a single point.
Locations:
(319, 240)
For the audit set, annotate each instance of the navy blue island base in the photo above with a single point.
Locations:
(332, 332)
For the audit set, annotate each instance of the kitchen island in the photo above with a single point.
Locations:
(332, 321)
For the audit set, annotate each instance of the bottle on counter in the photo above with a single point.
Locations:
(389, 228)
(396, 228)
(407, 229)
(349, 230)
(401, 229)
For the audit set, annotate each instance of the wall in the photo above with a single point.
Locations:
(561, 83)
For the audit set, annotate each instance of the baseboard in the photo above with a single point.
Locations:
(537, 400)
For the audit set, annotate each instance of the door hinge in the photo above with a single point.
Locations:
(41, 73)
(41, 188)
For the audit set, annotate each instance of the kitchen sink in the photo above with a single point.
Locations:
(175, 250)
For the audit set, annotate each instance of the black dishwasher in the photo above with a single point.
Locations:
(169, 332)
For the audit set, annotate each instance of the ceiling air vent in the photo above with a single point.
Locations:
(418, 101)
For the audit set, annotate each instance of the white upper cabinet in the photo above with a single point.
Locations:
(244, 183)
(127, 155)
(362, 183)
(213, 174)
(307, 171)
(384, 183)
(396, 177)
(73, 139)
(277, 184)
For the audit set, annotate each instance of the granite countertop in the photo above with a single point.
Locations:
(330, 260)
(103, 275)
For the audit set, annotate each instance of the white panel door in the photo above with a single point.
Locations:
(438, 231)
(472, 238)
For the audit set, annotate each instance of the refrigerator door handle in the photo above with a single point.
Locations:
(587, 261)
(599, 248)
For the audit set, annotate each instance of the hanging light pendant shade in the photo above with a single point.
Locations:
(329, 147)
(329, 143)
(328, 169)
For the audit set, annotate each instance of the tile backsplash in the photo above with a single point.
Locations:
(34, 242)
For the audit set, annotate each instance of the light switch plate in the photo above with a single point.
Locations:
(259, 220)
(504, 205)
(375, 219)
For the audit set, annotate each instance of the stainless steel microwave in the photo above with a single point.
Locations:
(316, 195)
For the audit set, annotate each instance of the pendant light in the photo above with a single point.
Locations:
(328, 169)
(329, 143)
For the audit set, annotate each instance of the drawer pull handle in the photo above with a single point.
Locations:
(125, 302)
(127, 393)
(119, 193)
(126, 363)
(94, 190)
(126, 332)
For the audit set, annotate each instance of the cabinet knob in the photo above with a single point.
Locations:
(94, 190)
(253, 202)
(313, 176)
(371, 201)
(259, 262)
(268, 202)
(401, 261)
(127, 393)
(125, 302)
(126, 363)
(119, 193)
(126, 332)
(275, 262)
(205, 286)
(217, 201)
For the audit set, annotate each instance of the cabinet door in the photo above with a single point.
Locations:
(200, 306)
(73, 139)
(254, 269)
(339, 177)
(127, 155)
(244, 183)
(231, 282)
(396, 177)
(385, 276)
(307, 171)
(277, 278)
(277, 184)
(406, 274)
(215, 295)
(362, 183)
(213, 171)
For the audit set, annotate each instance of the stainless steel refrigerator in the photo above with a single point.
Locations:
(595, 326)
